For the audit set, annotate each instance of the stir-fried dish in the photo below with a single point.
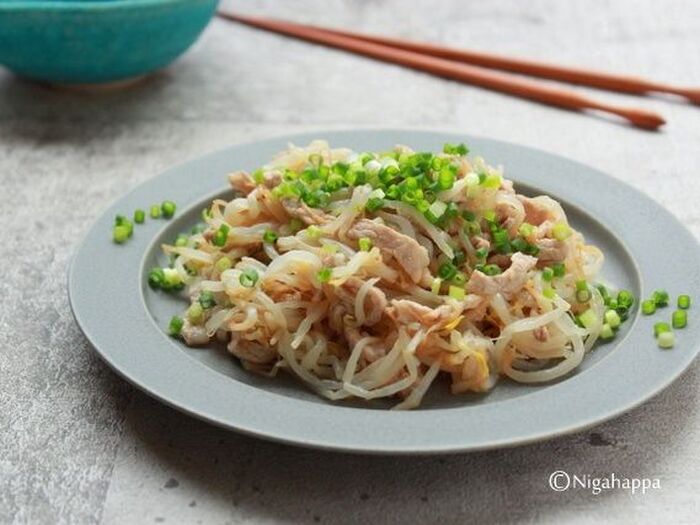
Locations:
(369, 274)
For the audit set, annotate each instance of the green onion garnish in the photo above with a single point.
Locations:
(613, 318)
(459, 279)
(549, 293)
(139, 216)
(120, 234)
(456, 292)
(156, 278)
(559, 269)
(175, 326)
(221, 235)
(206, 300)
(374, 204)
(481, 253)
(447, 271)
(270, 237)
(195, 313)
(181, 240)
(455, 149)
(660, 297)
(460, 257)
(625, 299)
(488, 269)
(588, 319)
(648, 307)
(248, 278)
(666, 340)
(547, 274)
(526, 229)
(324, 274)
(168, 209)
(679, 319)
(313, 232)
(155, 211)
(660, 328)
(684, 302)
(223, 264)
(561, 231)
(365, 244)
(583, 294)
(606, 332)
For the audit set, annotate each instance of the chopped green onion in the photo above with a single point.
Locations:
(156, 278)
(625, 299)
(666, 340)
(435, 286)
(365, 244)
(679, 319)
(206, 300)
(549, 293)
(175, 326)
(561, 231)
(435, 211)
(489, 269)
(459, 279)
(521, 245)
(223, 264)
(684, 302)
(270, 237)
(220, 235)
(606, 332)
(195, 313)
(139, 216)
(446, 179)
(547, 274)
(490, 215)
(120, 234)
(603, 293)
(324, 274)
(583, 294)
(120, 220)
(559, 269)
(181, 240)
(447, 271)
(613, 318)
(492, 181)
(481, 253)
(468, 215)
(460, 257)
(660, 297)
(374, 204)
(455, 149)
(526, 229)
(329, 249)
(172, 279)
(168, 209)
(248, 277)
(456, 292)
(313, 232)
(472, 228)
(660, 328)
(155, 211)
(588, 319)
(648, 307)
(198, 228)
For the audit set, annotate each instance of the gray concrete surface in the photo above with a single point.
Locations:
(78, 445)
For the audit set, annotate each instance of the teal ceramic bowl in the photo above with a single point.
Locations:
(97, 41)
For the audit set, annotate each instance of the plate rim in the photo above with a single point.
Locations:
(74, 299)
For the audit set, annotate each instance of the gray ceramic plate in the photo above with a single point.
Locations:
(645, 247)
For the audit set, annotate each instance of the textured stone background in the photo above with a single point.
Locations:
(78, 445)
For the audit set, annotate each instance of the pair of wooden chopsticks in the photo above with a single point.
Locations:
(471, 68)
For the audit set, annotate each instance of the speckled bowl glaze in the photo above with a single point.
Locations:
(97, 41)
